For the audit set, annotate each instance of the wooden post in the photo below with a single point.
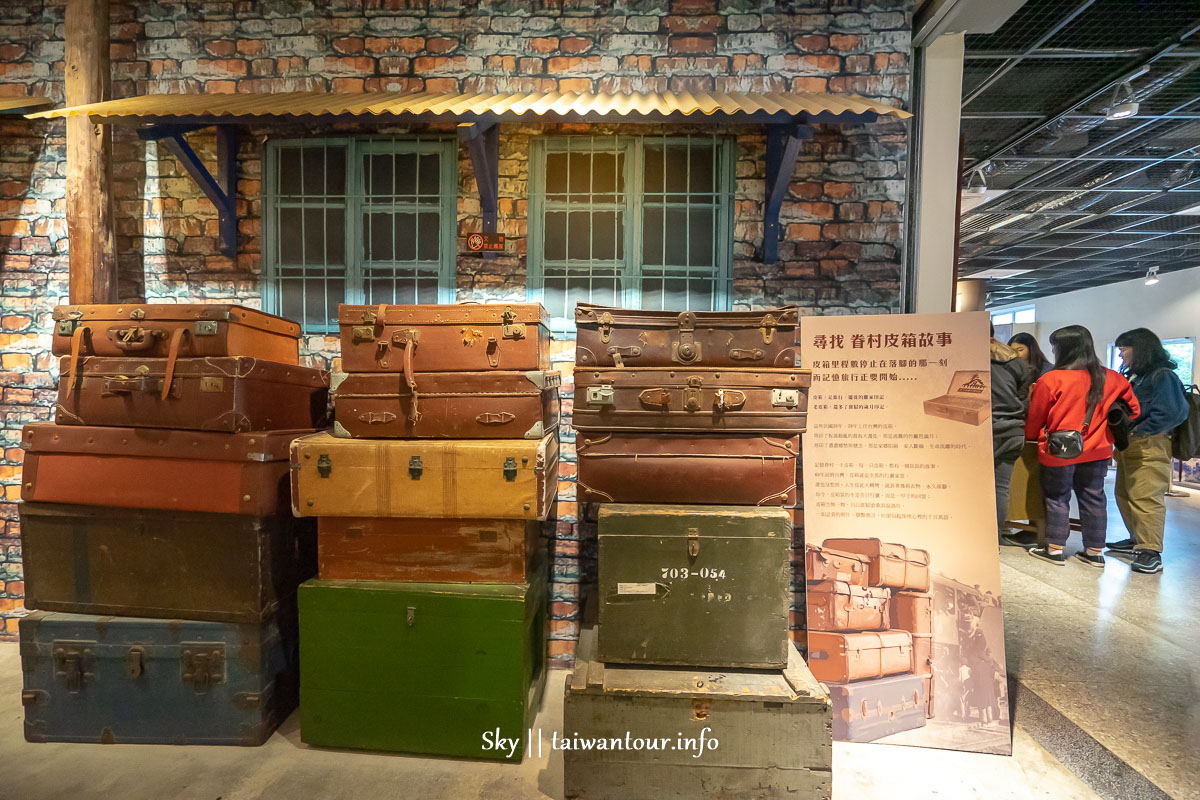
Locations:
(93, 256)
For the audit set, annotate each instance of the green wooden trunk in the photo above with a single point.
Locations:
(694, 585)
(421, 667)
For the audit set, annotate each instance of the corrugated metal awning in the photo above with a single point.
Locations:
(17, 105)
(471, 106)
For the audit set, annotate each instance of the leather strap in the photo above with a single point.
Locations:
(414, 415)
(77, 337)
(177, 337)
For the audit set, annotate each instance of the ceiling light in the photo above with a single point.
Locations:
(977, 183)
(1122, 106)
(1152, 276)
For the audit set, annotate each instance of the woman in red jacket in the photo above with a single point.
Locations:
(1061, 401)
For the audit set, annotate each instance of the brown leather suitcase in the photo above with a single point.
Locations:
(840, 657)
(468, 337)
(127, 562)
(734, 469)
(428, 550)
(691, 399)
(922, 653)
(839, 606)
(614, 337)
(225, 473)
(446, 405)
(892, 565)
(913, 612)
(233, 395)
(826, 564)
(161, 330)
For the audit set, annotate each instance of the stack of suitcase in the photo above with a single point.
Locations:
(870, 634)
(688, 434)
(425, 628)
(159, 549)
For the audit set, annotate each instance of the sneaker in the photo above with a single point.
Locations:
(1123, 546)
(1044, 553)
(1147, 562)
(1026, 539)
(1091, 561)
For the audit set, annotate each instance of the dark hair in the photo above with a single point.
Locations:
(1074, 349)
(1037, 359)
(1148, 352)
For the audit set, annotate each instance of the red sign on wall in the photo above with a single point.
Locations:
(485, 242)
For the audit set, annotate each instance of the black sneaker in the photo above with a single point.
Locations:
(1147, 562)
(1091, 561)
(1044, 553)
(1123, 546)
(1026, 539)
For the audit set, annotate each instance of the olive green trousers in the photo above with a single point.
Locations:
(1143, 478)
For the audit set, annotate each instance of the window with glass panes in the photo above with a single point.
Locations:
(643, 222)
(357, 221)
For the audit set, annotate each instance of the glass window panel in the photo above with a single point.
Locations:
(335, 171)
(701, 229)
(556, 174)
(406, 236)
(1024, 316)
(606, 235)
(335, 236)
(378, 175)
(701, 175)
(428, 245)
(291, 299)
(580, 174)
(652, 236)
(676, 236)
(607, 180)
(700, 294)
(652, 293)
(675, 293)
(554, 296)
(289, 171)
(429, 179)
(321, 298)
(291, 245)
(653, 170)
(427, 289)
(677, 175)
(1002, 319)
(378, 237)
(556, 236)
(314, 236)
(313, 167)
(579, 238)
(406, 174)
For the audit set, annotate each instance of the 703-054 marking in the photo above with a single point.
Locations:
(712, 573)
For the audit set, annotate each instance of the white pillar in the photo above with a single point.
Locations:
(935, 196)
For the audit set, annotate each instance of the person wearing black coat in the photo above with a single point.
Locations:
(1011, 379)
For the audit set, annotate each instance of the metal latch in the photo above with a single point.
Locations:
(202, 664)
(137, 313)
(739, 354)
(66, 327)
(411, 617)
(729, 399)
(600, 396)
(205, 327)
(687, 349)
(619, 354)
(657, 396)
(788, 398)
(511, 328)
(211, 383)
(693, 540)
(605, 324)
(376, 417)
(510, 469)
(415, 468)
(691, 393)
(135, 661)
(362, 333)
(324, 465)
(495, 417)
(768, 328)
(404, 336)
(72, 663)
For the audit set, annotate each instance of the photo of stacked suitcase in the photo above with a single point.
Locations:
(425, 627)
(870, 634)
(688, 437)
(161, 556)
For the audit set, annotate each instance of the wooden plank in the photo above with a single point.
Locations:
(93, 261)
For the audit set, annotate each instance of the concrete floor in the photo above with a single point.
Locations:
(1107, 684)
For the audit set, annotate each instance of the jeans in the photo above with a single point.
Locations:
(1143, 478)
(1087, 479)
(1004, 470)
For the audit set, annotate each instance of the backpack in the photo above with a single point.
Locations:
(1185, 440)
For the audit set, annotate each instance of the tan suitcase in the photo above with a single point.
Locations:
(463, 479)
(922, 653)
(840, 657)
(825, 564)
(912, 612)
(892, 565)
(839, 606)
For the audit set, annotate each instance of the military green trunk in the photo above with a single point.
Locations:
(694, 585)
(421, 667)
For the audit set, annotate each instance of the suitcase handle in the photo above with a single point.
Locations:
(80, 335)
(124, 385)
(135, 338)
(410, 379)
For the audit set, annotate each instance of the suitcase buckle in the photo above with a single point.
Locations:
(655, 397)
(767, 326)
(691, 394)
(605, 323)
(693, 541)
(415, 468)
(729, 400)
(324, 465)
(600, 396)
(72, 663)
(405, 336)
(687, 349)
(134, 661)
(511, 328)
(510, 469)
(787, 398)
(202, 664)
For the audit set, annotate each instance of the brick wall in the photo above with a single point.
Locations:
(842, 215)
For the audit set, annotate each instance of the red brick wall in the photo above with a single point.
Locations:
(842, 215)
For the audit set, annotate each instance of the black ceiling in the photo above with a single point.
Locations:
(1089, 201)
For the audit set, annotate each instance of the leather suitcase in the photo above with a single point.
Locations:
(772, 727)
(717, 469)
(615, 337)
(163, 564)
(825, 564)
(966, 400)
(224, 473)
(892, 565)
(836, 657)
(865, 711)
(156, 330)
(430, 668)
(428, 550)
(460, 479)
(771, 401)
(234, 395)
(447, 405)
(912, 612)
(839, 606)
(468, 337)
(922, 653)
(129, 680)
(726, 568)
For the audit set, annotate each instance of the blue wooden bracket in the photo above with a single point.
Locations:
(483, 144)
(222, 189)
(783, 145)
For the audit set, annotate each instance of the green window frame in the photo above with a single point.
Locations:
(357, 220)
(677, 191)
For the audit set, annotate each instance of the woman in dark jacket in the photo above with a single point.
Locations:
(1031, 353)
(1144, 467)
(1061, 401)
